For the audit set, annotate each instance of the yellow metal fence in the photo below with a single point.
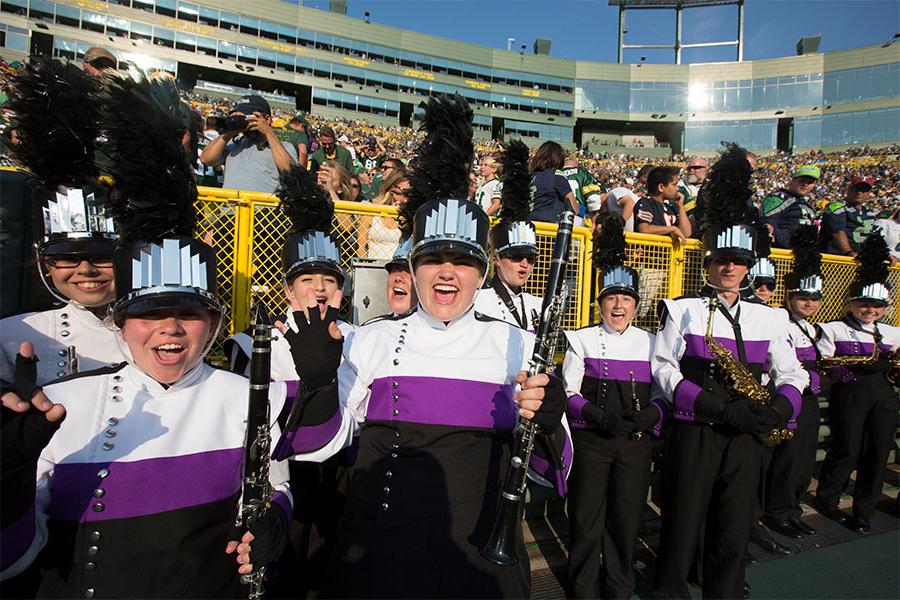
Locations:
(247, 230)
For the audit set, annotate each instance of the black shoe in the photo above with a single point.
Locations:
(830, 512)
(782, 526)
(746, 590)
(859, 524)
(800, 526)
(764, 540)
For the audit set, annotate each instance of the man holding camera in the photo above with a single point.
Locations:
(249, 150)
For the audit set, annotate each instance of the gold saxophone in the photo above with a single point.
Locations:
(826, 365)
(740, 380)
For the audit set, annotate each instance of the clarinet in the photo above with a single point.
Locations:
(257, 490)
(72, 358)
(501, 545)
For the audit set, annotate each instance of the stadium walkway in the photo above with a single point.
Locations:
(835, 563)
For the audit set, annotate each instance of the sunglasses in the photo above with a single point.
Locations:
(70, 261)
(520, 257)
(695, 168)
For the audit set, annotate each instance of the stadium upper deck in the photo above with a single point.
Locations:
(340, 66)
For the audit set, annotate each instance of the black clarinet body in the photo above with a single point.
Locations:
(257, 490)
(501, 545)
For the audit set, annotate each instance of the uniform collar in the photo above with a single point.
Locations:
(610, 331)
(435, 323)
(77, 311)
(136, 374)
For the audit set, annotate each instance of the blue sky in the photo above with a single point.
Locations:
(586, 29)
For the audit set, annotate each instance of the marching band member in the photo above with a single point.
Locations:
(514, 245)
(401, 294)
(863, 407)
(312, 268)
(432, 394)
(794, 460)
(712, 457)
(613, 407)
(762, 282)
(139, 466)
(57, 122)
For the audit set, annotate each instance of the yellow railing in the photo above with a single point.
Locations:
(247, 230)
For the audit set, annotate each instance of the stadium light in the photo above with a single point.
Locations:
(888, 43)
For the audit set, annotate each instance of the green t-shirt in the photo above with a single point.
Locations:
(342, 157)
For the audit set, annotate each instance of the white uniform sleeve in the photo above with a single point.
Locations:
(668, 349)
(825, 339)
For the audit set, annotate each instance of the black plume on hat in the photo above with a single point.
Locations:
(728, 194)
(154, 190)
(609, 246)
(807, 259)
(56, 121)
(443, 159)
(515, 196)
(873, 258)
(303, 202)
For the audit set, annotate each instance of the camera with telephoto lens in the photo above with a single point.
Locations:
(229, 124)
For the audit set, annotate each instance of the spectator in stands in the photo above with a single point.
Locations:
(252, 156)
(847, 222)
(379, 236)
(890, 229)
(329, 150)
(551, 190)
(97, 60)
(488, 194)
(371, 154)
(788, 208)
(356, 194)
(641, 178)
(588, 191)
(662, 211)
(621, 200)
(690, 187)
(296, 134)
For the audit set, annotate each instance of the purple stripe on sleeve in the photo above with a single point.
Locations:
(796, 398)
(685, 395)
(144, 487)
(17, 538)
(815, 382)
(281, 500)
(440, 401)
(307, 438)
(661, 407)
(604, 368)
(573, 407)
(756, 350)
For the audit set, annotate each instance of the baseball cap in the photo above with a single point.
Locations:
(808, 171)
(300, 116)
(100, 58)
(857, 180)
(251, 104)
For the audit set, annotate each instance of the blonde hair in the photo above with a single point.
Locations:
(345, 190)
(395, 177)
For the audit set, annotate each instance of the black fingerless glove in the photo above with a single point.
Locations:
(783, 409)
(607, 421)
(549, 415)
(646, 418)
(23, 436)
(270, 536)
(316, 354)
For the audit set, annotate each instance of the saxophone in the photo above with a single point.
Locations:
(826, 365)
(739, 379)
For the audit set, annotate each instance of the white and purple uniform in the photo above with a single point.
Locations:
(51, 332)
(434, 403)
(488, 303)
(139, 487)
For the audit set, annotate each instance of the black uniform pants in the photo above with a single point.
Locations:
(793, 464)
(710, 487)
(607, 493)
(863, 421)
